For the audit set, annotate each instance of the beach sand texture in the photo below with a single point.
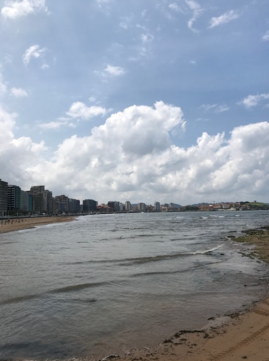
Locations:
(240, 336)
(233, 337)
(10, 225)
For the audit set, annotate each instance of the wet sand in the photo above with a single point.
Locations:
(233, 337)
(24, 223)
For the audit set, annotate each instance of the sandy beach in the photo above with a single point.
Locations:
(232, 337)
(10, 225)
(238, 336)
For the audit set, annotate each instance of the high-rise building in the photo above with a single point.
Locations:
(13, 198)
(115, 206)
(157, 206)
(141, 207)
(36, 190)
(89, 205)
(3, 197)
(127, 206)
(24, 201)
(62, 204)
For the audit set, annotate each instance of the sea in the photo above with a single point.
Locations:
(108, 284)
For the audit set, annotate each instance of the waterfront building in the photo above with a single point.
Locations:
(115, 206)
(24, 201)
(37, 190)
(74, 205)
(3, 197)
(89, 205)
(13, 198)
(141, 207)
(157, 206)
(128, 206)
(62, 204)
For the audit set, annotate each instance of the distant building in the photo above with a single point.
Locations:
(74, 205)
(36, 190)
(3, 197)
(127, 206)
(141, 207)
(42, 200)
(115, 206)
(24, 201)
(157, 206)
(89, 205)
(62, 204)
(13, 198)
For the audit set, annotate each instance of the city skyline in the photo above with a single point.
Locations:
(132, 100)
(39, 200)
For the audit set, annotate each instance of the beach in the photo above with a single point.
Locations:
(238, 336)
(227, 336)
(17, 224)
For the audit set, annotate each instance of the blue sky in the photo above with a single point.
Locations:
(145, 101)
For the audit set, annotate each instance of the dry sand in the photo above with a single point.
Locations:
(24, 223)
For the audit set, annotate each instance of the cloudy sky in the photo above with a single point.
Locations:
(157, 100)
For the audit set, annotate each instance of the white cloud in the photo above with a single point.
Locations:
(217, 108)
(3, 87)
(17, 154)
(253, 100)
(15, 8)
(114, 70)
(80, 111)
(33, 51)
(19, 93)
(45, 66)
(266, 36)
(131, 156)
(146, 38)
(196, 13)
(174, 7)
(224, 18)
(52, 125)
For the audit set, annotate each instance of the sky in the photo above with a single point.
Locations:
(156, 100)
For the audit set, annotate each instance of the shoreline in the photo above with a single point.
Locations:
(240, 335)
(18, 224)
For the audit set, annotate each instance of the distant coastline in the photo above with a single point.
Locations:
(12, 224)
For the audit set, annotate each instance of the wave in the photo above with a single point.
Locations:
(135, 275)
(77, 287)
(19, 299)
(123, 262)
(167, 256)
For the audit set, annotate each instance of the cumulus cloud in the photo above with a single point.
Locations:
(17, 154)
(131, 156)
(253, 100)
(266, 36)
(196, 13)
(81, 111)
(33, 51)
(15, 9)
(224, 18)
(19, 93)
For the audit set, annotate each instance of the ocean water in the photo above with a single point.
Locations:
(106, 284)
